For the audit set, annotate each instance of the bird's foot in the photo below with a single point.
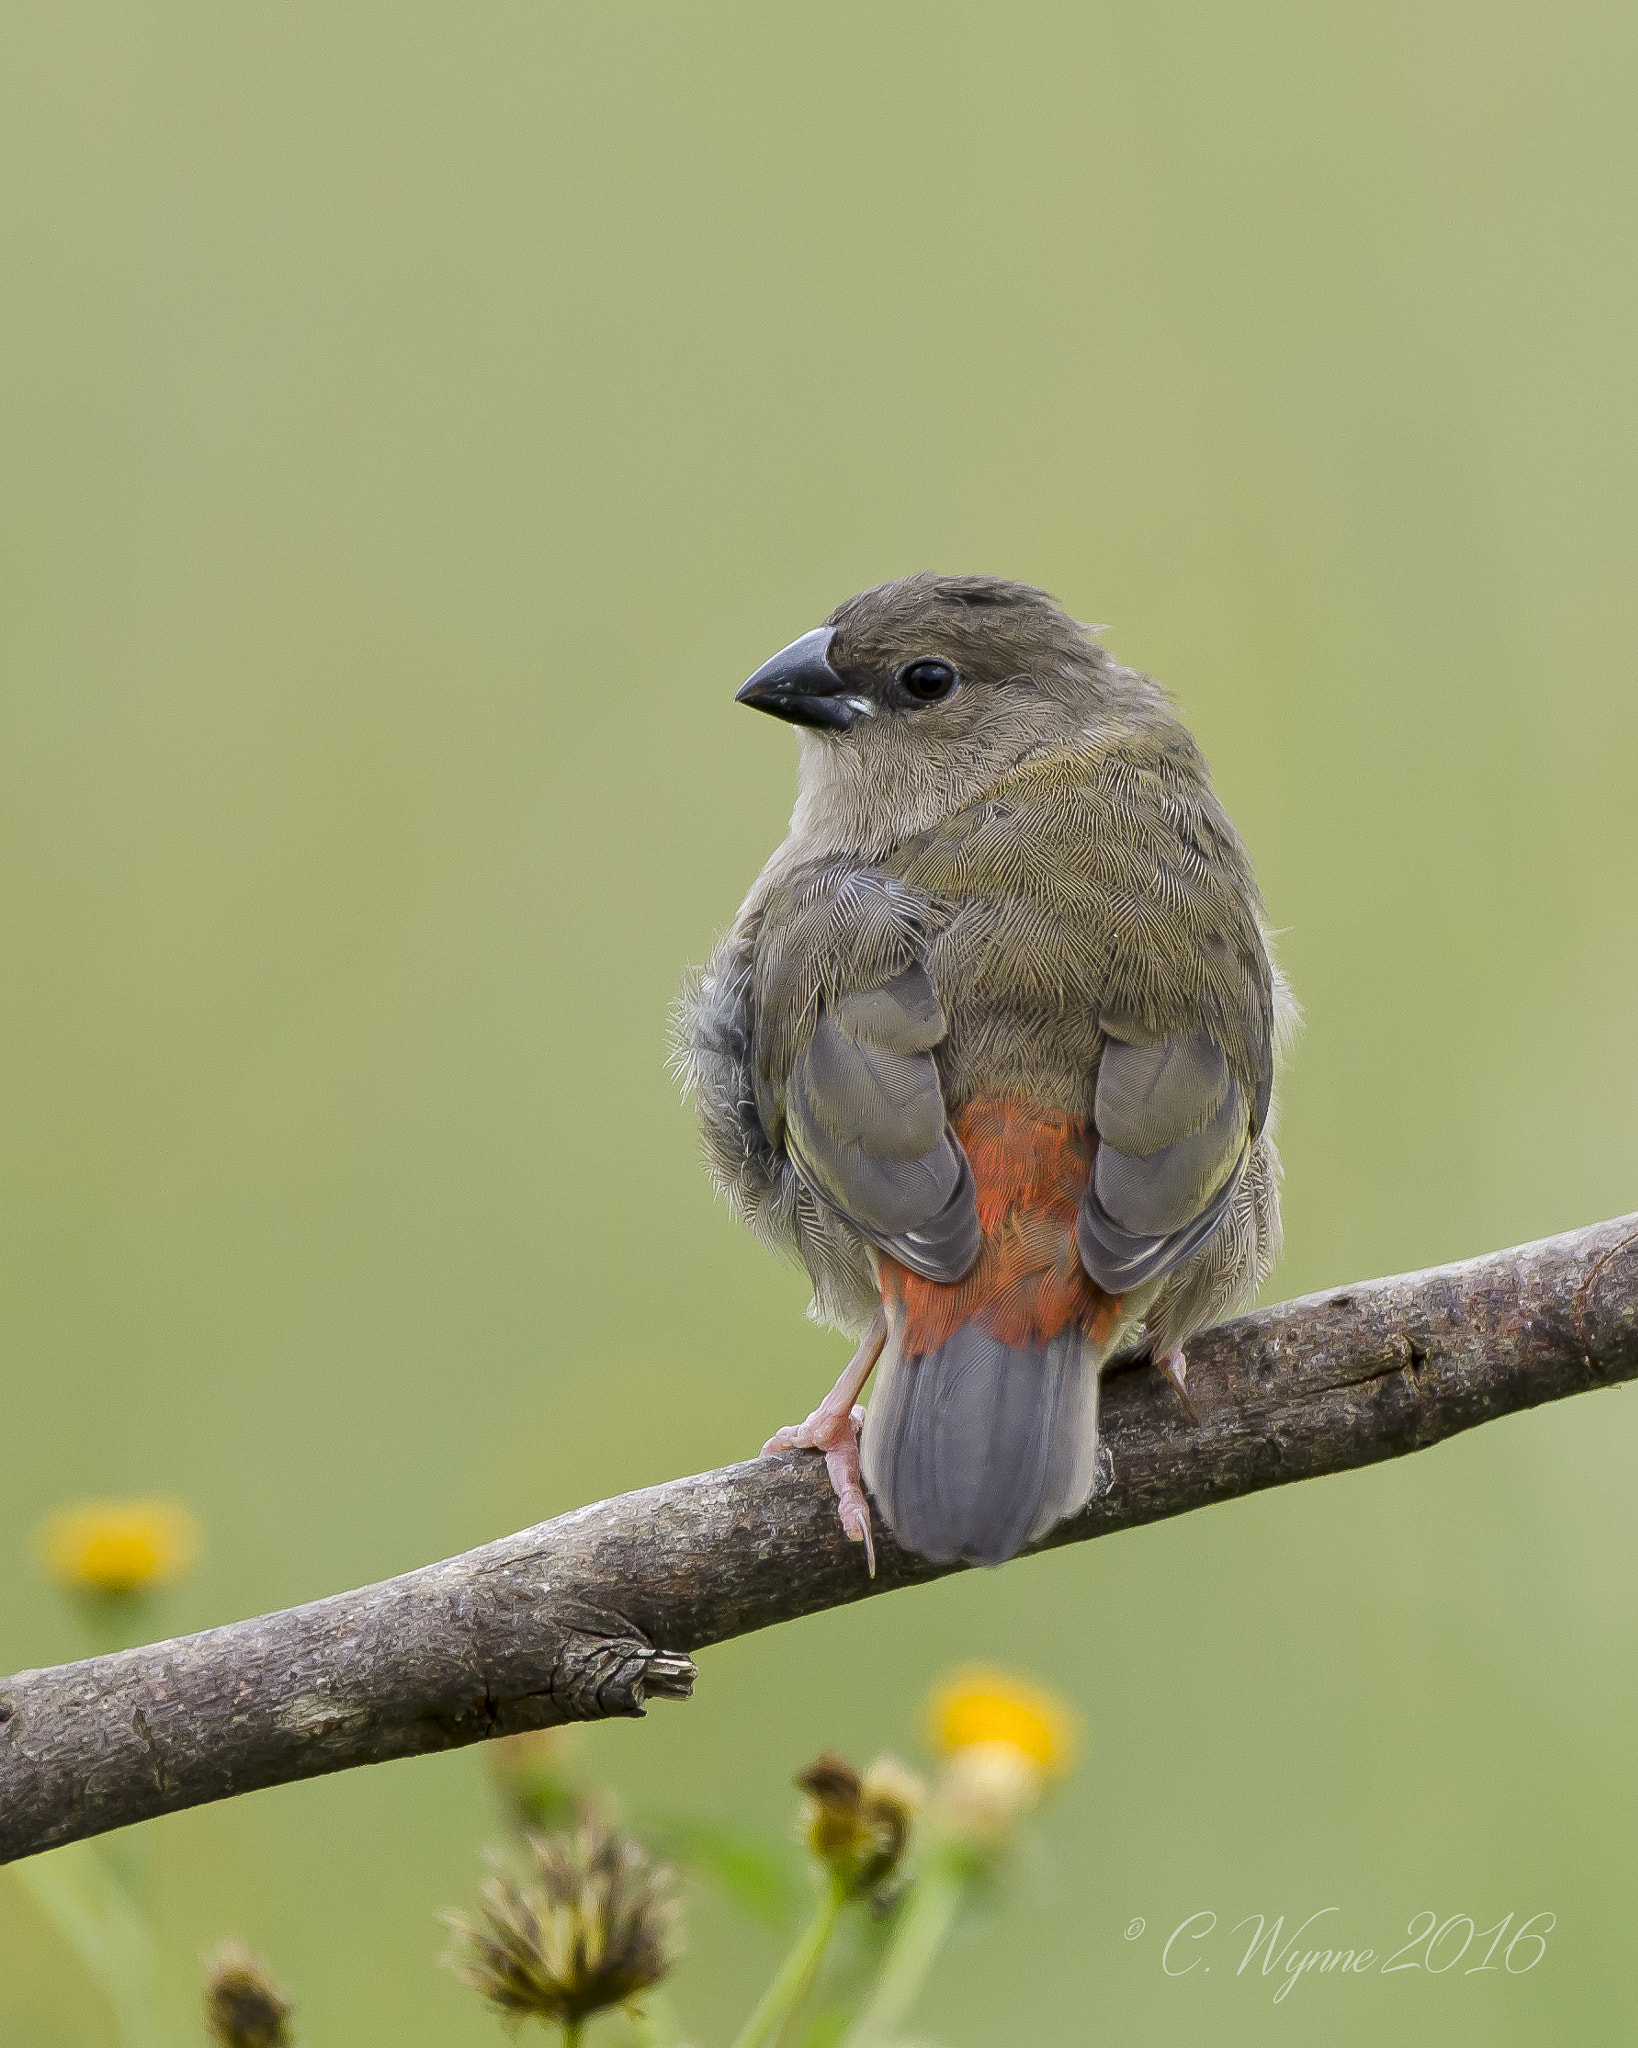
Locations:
(833, 1428)
(1175, 1367)
(837, 1436)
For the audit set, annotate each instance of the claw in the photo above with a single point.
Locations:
(1176, 1369)
(842, 1463)
(856, 1528)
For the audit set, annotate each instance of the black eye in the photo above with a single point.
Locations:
(927, 681)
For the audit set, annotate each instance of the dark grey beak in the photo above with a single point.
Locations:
(799, 684)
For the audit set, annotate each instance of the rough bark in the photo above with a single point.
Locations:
(594, 1613)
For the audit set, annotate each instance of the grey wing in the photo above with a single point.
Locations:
(865, 1127)
(1174, 1134)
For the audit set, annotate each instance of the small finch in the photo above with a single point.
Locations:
(990, 1047)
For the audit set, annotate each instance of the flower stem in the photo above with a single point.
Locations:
(790, 1987)
(75, 1889)
(929, 1914)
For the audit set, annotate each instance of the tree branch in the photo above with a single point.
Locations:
(591, 1614)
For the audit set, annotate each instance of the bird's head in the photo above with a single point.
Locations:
(916, 696)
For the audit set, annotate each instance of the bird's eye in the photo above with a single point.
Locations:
(927, 681)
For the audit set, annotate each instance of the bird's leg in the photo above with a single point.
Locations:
(1175, 1367)
(833, 1428)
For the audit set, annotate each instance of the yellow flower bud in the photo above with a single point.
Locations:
(118, 1547)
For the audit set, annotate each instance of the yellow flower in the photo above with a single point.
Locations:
(982, 1706)
(118, 1547)
(985, 1791)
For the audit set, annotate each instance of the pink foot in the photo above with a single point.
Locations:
(833, 1428)
(1176, 1368)
(838, 1437)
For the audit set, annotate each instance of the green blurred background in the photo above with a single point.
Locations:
(417, 421)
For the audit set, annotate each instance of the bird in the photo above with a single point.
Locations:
(990, 1048)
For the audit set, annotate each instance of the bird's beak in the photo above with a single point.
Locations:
(799, 684)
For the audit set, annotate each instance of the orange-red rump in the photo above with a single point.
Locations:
(1031, 1167)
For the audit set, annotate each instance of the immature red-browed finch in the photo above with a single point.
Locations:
(990, 1047)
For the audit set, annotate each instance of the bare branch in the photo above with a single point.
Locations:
(593, 1613)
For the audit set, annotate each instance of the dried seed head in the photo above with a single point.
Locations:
(859, 1827)
(833, 1789)
(893, 1792)
(591, 1927)
(244, 2006)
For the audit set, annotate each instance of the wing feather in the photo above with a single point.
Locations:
(865, 1126)
(1174, 1135)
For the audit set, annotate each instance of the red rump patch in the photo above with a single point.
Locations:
(1031, 1167)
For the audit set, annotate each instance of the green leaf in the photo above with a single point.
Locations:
(751, 1868)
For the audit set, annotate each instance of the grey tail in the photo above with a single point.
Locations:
(979, 1447)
